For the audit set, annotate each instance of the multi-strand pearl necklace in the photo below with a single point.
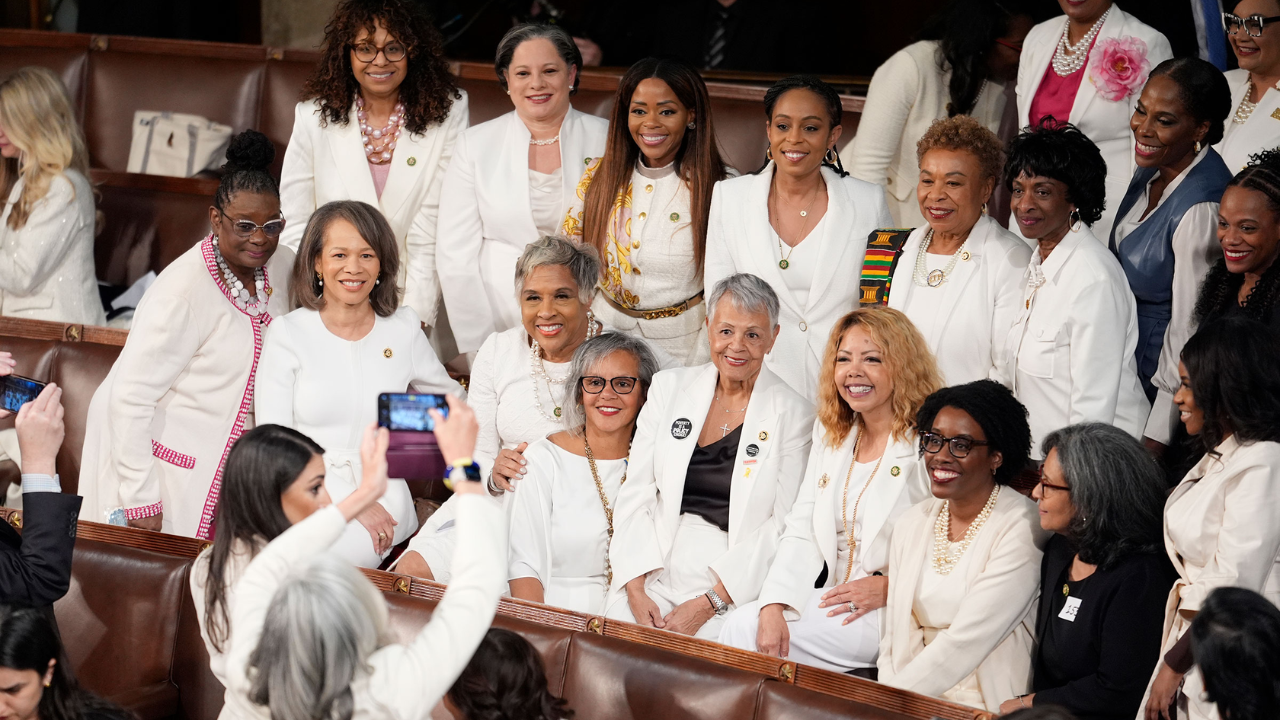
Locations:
(922, 276)
(538, 371)
(946, 554)
(379, 154)
(1064, 64)
(1246, 107)
(255, 305)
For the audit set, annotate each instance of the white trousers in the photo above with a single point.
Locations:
(356, 544)
(815, 639)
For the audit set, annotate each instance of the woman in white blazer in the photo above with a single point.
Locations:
(1220, 524)
(800, 224)
(964, 565)
(512, 180)
(47, 225)
(1076, 85)
(1255, 85)
(715, 465)
(959, 278)
(385, 141)
(865, 441)
(1070, 352)
(970, 52)
(180, 394)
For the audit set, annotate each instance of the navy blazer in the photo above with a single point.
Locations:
(35, 566)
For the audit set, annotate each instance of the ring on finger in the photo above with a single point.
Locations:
(852, 608)
(382, 536)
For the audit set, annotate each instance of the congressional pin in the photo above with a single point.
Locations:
(411, 161)
(753, 450)
(763, 436)
(681, 428)
(586, 161)
(1276, 113)
(386, 353)
(269, 291)
(822, 481)
(675, 217)
(965, 256)
(895, 471)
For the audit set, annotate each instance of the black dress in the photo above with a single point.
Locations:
(707, 481)
(1099, 638)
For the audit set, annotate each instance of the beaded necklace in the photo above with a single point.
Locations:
(253, 306)
(922, 276)
(379, 153)
(538, 371)
(946, 554)
(1064, 64)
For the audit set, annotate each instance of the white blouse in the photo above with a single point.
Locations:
(802, 261)
(545, 200)
(559, 533)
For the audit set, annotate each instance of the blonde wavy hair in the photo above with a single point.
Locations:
(907, 357)
(37, 117)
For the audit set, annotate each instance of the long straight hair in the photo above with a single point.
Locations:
(36, 114)
(698, 160)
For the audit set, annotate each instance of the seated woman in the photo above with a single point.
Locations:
(49, 220)
(661, 140)
(1070, 354)
(274, 479)
(964, 565)
(876, 373)
(559, 541)
(508, 673)
(715, 466)
(1104, 579)
(181, 392)
(959, 278)
(324, 364)
(1220, 524)
(1235, 639)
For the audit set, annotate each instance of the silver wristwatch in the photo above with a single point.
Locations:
(721, 606)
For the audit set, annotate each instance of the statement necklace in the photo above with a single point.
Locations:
(922, 276)
(844, 502)
(253, 306)
(538, 371)
(1246, 107)
(379, 153)
(946, 554)
(604, 502)
(1064, 64)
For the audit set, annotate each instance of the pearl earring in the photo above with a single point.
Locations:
(378, 281)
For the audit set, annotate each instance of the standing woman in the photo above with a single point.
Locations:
(1255, 85)
(1087, 68)
(324, 364)
(512, 179)
(377, 123)
(643, 207)
(1220, 524)
(876, 373)
(180, 394)
(800, 224)
(1166, 226)
(970, 51)
(1070, 352)
(48, 222)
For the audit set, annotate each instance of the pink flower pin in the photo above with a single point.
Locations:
(1118, 67)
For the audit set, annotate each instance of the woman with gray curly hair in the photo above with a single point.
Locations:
(562, 518)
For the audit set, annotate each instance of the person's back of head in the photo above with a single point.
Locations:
(1235, 639)
(505, 680)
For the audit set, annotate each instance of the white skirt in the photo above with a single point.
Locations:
(342, 473)
(815, 639)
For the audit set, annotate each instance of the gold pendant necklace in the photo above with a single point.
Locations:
(604, 502)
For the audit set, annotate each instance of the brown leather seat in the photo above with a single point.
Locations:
(78, 368)
(782, 701)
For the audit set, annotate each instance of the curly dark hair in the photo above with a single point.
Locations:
(506, 680)
(1003, 420)
(248, 157)
(1231, 365)
(964, 133)
(966, 31)
(1203, 90)
(1059, 151)
(815, 85)
(428, 90)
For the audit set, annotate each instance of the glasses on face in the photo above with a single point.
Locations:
(960, 446)
(368, 52)
(246, 228)
(594, 384)
(1253, 24)
(1045, 484)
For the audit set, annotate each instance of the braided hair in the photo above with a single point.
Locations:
(248, 157)
(826, 93)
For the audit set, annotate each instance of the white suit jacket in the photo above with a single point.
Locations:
(1106, 122)
(811, 534)
(328, 163)
(647, 510)
(486, 219)
(994, 627)
(907, 94)
(46, 266)
(1260, 132)
(980, 299)
(741, 240)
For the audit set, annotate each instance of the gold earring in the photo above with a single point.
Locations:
(1197, 147)
(832, 157)
(984, 208)
(768, 153)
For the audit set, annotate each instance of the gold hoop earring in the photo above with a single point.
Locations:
(1197, 147)
(768, 153)
(832, 157)
(984, 208)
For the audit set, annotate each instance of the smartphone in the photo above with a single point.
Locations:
(19, 391)
(408, 411)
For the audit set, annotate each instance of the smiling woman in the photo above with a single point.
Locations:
(1255, 39)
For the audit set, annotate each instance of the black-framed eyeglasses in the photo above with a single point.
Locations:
(393, 51)
(1253, 24)
(594, 384)
(246, 228)
(960, 446)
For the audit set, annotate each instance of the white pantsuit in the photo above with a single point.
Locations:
(1260, 132)
(486, 218)
(741, 240)
(652, 537)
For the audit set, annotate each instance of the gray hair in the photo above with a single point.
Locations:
(580, 260)
(1117, 489)
(588, 356)
(324, 622)
(565, 47)
(748, 293)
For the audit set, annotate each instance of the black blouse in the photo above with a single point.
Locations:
(706, 482)
(1098, 662)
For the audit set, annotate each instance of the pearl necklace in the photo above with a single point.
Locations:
(552, 141)
(379, 154)
(946, 554)
(1064, 64)
(538, 371)
(1246, 107)
(253, 306)
(922, 276)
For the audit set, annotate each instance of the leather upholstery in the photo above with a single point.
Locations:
(146, 229)
(78, 368)
(781, 701)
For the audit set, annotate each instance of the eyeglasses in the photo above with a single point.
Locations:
(960, 446)
(246, 229)
(594, 384)
(1016, 48)
(368, 52)
(1043, 484)
(1253, 24)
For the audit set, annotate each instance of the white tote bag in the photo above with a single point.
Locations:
(176, 144)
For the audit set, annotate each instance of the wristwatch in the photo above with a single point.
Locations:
(721, 606)
(463, 469)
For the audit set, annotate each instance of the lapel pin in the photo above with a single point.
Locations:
(747, 473)
(822, 481)
(412, 161)
(965, 256)
(763, 436)
(1276, 113)
(895, 471)
(753, 450)
(681, 428)
(387, 353)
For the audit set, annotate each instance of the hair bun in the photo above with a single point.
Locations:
(250, 150)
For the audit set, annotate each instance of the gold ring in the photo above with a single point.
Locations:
(382, 536)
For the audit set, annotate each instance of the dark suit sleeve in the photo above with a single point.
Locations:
(38, 571)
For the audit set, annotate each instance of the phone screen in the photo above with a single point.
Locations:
(19, 391)
(408, 411)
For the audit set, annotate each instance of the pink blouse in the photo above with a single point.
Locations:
(380, 173)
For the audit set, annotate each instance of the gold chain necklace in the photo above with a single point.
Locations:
(844, 502)
(785, 261)
(604, 502)
(943, 560)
